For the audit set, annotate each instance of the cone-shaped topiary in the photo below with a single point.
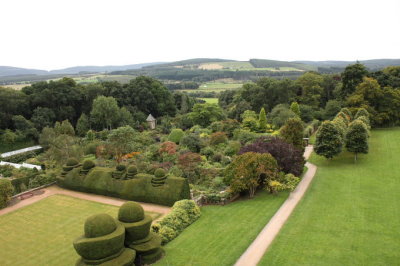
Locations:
(138, 236)
(88, 164)
(159, 178)
(121, 167)
(103, 243)
(130, 212)
(131, 172)
(99, 225)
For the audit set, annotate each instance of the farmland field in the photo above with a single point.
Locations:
(350, 214)
(42, 233)
(210, 100)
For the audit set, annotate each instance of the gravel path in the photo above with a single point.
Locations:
(54, 190)
(256, 250)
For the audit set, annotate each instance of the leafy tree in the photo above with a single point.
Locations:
(249, 171)
(328, 142)
(189, 162)
(294, 107)
(292, 132)
(262, 120)
(21, 124)
(361, 112)
(205, 114)
(65, 128)
(83, 125)
(311, 88)
(289, 159)
(119, 141)
(351, 77)
(249, 120)
(357, 138)
(125, 117)
(12, 102)
(43, 117)
(8, 137)
(307, 113)
(331, 109)
(218, 138)
(280, 114)
(176, 135)
(192, 142)
(104, 111)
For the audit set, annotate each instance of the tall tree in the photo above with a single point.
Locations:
(292, 132)
(328, 141)
(262, 120)
(295, 108)
(357, 138)
(119, 141)
(351, 77)
(83, 125)
(104, 112)
(205, 114)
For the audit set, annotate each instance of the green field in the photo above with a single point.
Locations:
(222, 233)
(350, 214)
(42, 233)
(210, 100)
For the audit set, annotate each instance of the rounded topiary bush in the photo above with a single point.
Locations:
(132, 170)
(88, 164)
(176, 135)
(72, 162)
(121, 167)
(159, 172)
(130, 212)
(99, 225)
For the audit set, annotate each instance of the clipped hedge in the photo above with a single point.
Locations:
(183, 214)
(21, 157)
(100, 181)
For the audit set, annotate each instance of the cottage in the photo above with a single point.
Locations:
(151, 121)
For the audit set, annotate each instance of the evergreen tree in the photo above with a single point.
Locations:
(83, 125)
(329, 141)
(262, 120)
(357, 138)
(295, 108)
(292, 132)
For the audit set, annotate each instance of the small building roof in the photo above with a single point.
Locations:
(150, 118)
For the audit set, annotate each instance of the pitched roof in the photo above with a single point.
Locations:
(150, 118)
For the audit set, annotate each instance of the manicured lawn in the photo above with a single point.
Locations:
(222, 233)
(351, 213)
(42, 233)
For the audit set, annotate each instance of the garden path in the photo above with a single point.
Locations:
(256, 250)
(54, 190)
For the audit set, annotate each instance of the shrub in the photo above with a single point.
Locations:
(159, 172)
(176, 135)
(132, 170)
(250, 170)
(21, 157)
(218, 138)
(361, 112)
(192, 142)
(72, 162)
(99, 225)
(168, 147)
(130, 212)
(207, 151)
(292, 132)
(289, 159)
(183, 214)
(88, 164)
(6, 191)
(232, 148)
(90, 148)
(244, 136)
(41, 180)
(121, 167)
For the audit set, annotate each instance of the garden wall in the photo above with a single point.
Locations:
(100, 181)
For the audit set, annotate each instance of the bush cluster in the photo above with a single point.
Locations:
(183, 214)
(6, 191)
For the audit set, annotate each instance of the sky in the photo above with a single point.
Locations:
(54, 34)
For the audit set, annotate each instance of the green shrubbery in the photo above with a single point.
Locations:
(21, 157)
(140, 188)
(176, 135)
(183, 214)
(6, 191)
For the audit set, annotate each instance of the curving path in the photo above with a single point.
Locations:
(54, 190)
(256, 250)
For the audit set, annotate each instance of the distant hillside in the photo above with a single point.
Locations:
(14, 71)
(6, 71)
(264, 63)
(194, 61)
(373, 64)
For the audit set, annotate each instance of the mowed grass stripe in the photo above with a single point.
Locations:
(351, 213)
(222, 233)
(42, 233)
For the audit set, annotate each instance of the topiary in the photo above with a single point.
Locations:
(121, 167)
(88, 164)
(132, 170)
(159, 172)
(130, 212)
(72, 162)
(99, 225)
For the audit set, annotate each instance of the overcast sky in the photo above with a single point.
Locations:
(53, 34)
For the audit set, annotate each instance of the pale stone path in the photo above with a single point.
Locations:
(256, 250)
(56, 190)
